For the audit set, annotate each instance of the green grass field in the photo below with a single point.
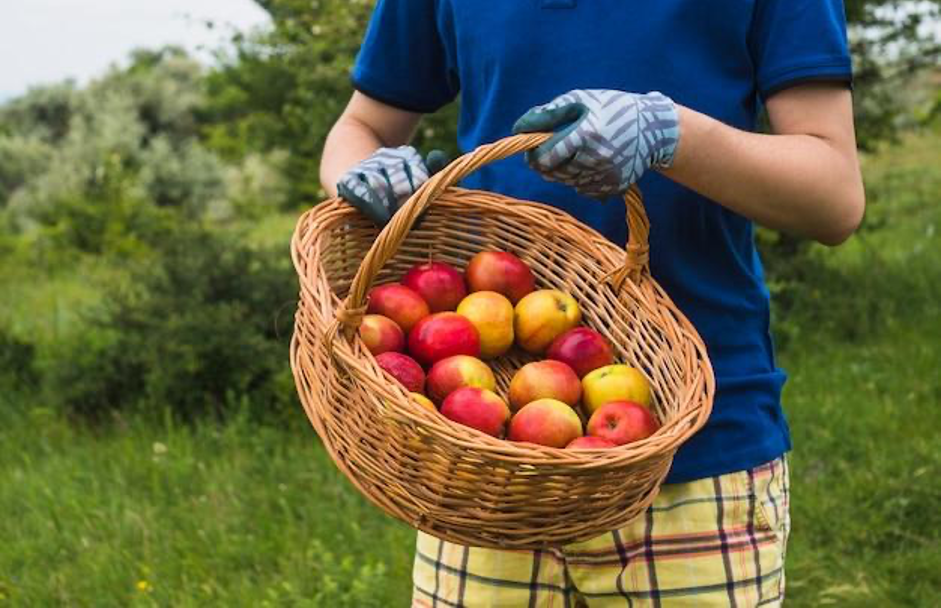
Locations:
(145, 512)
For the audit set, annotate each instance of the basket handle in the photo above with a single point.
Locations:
(350, 315)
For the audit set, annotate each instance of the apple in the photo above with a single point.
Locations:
(423, 401)
(381, 334)
(583, 349)
(622, 422)
(547, 422)
(442, 335)
(614, 383)
(590, 443)
(448, 375)
(544, 379)
(441, 285)
(543, 316)
(404, 369)
(398, 302)
(477, 408)
(501, 272)
(492, 315)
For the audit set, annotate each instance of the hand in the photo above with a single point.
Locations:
(376, 186)
(605, 140)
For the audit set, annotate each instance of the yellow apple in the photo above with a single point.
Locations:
(543, 316)
(492, 315)
(423, 401)
(614, 383)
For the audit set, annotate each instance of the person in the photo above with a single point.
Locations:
(666, 95)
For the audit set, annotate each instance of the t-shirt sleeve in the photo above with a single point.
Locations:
(402, 61)
(795, 41)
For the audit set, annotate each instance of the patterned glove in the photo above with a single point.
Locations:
(377, 185)
(605, 139)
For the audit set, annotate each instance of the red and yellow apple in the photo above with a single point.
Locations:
(492, 315)
(548, 422)
(501, 272)
(398, 302)
(439, 284)
(622, 422)
(448, 375)
(544, 380)
(543, 316)
(590, 443)
(423, 401)
(477, 408)
(583, 349)
(614, 383)
(381, 334)
(442, 335)
(404, 369)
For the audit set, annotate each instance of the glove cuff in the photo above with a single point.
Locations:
(660, 126)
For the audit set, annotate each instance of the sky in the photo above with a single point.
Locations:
(45, 41)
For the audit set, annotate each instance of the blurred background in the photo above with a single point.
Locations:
(154, 158)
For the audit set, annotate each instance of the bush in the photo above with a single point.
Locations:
(196, 333)
(17, 362)
(94, 168)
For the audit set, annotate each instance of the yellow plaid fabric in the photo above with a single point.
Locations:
(718, 541)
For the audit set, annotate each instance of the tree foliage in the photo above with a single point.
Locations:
(891, 42)
(282, 88)
(105, 167)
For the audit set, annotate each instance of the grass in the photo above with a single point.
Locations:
(863, 399)
(148, 513)
(144, 512)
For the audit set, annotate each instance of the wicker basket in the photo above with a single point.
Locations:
(449, 480)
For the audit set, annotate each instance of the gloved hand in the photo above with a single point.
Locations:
(377, 186)
(605, 140)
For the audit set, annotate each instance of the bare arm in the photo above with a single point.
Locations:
(365, 126)
(804, 178)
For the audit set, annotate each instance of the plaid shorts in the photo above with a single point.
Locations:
(718, 541)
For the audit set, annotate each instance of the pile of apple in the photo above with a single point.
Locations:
(433, 330)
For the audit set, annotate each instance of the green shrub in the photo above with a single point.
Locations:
(94, 169)
(17, 362)
(199, 330)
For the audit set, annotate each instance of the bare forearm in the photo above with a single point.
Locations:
(801, 183)
(365, 126)
(348, 143)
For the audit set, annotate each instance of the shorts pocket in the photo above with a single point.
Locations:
(768, 488)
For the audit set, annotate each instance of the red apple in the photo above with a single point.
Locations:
(590, 443)
(381, 334)
(398, 302)
(583, 349)
(622, 422)
(544, 379)
(456, 372)
(442, 335)
(547, 422)
(501, 272)
(404, 369)
(477, 408)
(441, 285)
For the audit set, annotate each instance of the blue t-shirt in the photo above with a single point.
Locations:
(721, 57)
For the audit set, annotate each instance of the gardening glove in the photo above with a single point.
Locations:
(378, 185)
(604, 140)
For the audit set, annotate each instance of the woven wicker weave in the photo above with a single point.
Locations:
(449, 480)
